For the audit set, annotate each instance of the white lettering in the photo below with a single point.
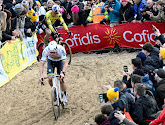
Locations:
(138, 34)
(124, 36)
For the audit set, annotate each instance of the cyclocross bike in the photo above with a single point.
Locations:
(56, 95)
(41, 46)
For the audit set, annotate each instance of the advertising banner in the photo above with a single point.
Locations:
(16, 56)
(98, 36)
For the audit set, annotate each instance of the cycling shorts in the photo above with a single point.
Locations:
(51, 66)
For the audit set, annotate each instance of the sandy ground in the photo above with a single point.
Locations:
(23, 101)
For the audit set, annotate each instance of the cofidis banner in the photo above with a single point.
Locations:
(97, 36)
(16, 56)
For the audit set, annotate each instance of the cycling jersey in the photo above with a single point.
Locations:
(58, 56)
(50, 20)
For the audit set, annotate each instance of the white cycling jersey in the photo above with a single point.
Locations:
(59, 55)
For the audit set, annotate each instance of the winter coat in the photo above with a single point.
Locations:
(146, 16)
(138, 7)
(160, 16)
(115, 14)
(138, 71)
(131, 100)
(160, 93)
(160, 119)
(148, 65)
(121, 103)
(147, 82)
(143, 110)
(113, 119)
(128, 122)
(155, 57)
(127, 12)
(162, 39)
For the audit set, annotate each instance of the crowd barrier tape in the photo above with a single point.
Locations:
(17, 56)
(99, 36)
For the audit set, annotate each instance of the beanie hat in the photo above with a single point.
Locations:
(34, 17)
(38, 3)
(31, 11)
(141, 55)
(113, 94)
(62, 10)
(162, 53)
(19, 8)
(75, 9)
(125, 0)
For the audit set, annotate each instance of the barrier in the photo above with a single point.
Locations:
(98, 36)
(16, 56)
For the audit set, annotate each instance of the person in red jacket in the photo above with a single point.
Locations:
(160, 119)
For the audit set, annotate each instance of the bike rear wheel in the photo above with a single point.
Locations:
(55, 103)
(40, 49)
(69, 50)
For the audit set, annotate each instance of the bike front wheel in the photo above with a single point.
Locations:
(55, 103)
(67, 47)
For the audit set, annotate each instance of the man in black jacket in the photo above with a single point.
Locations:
(144, 106)
(153, 52)
(160, 89)
(130, 98)
(137, 67)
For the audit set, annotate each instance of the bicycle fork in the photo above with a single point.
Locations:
(57, 95)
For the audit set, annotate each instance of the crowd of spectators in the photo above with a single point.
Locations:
(22, 17)
(142, 95)
(139, 97)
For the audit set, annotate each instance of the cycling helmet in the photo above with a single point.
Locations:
(56, 8)
(52, 47)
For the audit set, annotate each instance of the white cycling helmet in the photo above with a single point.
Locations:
(56, 8)
(52, 47)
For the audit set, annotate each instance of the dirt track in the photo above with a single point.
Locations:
(25, 102)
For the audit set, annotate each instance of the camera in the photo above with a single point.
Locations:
(145, 8)
(110, 3)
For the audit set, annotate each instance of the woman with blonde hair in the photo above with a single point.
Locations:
(50, 3)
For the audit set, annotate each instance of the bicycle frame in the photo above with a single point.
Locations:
(57, 87)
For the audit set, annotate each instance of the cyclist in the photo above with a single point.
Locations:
(51, 17)
(55, 55)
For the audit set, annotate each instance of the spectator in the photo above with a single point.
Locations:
(126, 11)
(162, 56)
(100, 119)
(161, 15)
(158, 44)
(95, 14)
(106, 110)
(137, 67)
(118, 99)
(40, 10)
(149, 9)
(144, 108)
(160, 119)
(113, 9)
(159, 36)
(160, 89)
(138, 6)
(129, 97)
(135, 79)
(147, 62)
(123, 118)
(153, 52)
(50, 4)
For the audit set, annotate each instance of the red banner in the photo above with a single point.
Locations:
(97, 36)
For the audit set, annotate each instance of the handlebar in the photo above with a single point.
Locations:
(58, 34)
(54, 76)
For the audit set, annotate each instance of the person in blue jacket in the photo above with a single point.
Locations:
(138, 6)
(113, 8)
